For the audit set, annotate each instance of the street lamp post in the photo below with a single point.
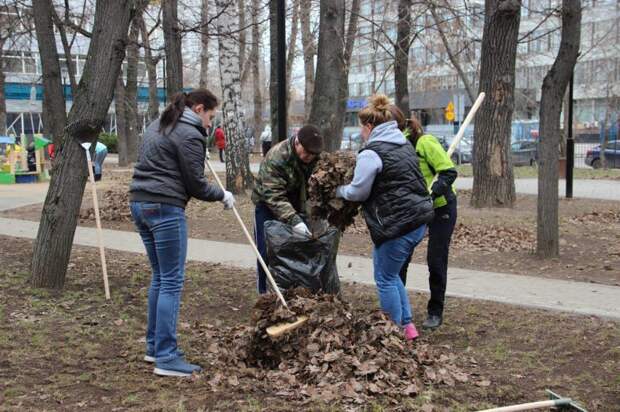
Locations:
(570, 142)
(281, 31)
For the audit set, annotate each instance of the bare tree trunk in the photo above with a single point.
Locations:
(401, 62)
(242, 42)
(330, 74)
(309, 49)
(67, 50)
(131, 92)
(554, 86)
(151, 71)
(292, 51)
(453, 59)
(273, 70)
(173, 46)
(254, 57)
(52, 247)
(204, 40)
(493, 175)
(238, 174)
(120, 108)
(54, 109)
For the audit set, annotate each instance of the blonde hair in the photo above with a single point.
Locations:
(377, 111)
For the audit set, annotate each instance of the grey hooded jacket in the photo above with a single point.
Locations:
(171, 164)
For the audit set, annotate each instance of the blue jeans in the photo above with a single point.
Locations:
(388, 259)
(261, 215)
(164, 233)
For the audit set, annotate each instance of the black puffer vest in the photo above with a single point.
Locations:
(399, 201)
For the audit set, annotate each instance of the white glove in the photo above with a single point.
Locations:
(229, 200)
(208, 155)
(302, 229)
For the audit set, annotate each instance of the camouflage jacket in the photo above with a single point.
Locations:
(281, 183)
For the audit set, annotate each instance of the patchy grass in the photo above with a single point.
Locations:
(73, 350)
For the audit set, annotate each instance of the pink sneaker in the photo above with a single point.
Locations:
(410, 331)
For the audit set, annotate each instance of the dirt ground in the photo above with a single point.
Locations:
(72, 350)
(498, 240)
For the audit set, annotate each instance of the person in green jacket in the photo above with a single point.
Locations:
(434, 162)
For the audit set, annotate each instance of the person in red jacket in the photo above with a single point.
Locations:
(220, 142)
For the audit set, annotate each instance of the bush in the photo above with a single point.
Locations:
(110, 140)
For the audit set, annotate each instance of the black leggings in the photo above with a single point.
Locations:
(439, 236)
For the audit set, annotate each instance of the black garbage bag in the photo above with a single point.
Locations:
(299, 261)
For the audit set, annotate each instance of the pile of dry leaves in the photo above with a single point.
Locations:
(113, 206)
(332, 170)
(336, 354)
(492, 238)
(603, 218)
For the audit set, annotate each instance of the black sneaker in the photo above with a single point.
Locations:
(432, 322)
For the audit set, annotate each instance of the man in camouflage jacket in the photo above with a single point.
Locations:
(280, 191)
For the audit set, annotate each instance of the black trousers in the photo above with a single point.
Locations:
(221, 155)
(266, 147)
(439, 236)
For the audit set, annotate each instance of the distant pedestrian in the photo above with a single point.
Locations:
(265, 139)
(220, 142)
(101, 151)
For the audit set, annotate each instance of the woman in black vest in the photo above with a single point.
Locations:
(396, 204)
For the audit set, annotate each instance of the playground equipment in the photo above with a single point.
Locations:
(21, 164)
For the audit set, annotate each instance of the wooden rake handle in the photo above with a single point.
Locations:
(251, 241)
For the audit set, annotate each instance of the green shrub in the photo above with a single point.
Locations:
(110, 140)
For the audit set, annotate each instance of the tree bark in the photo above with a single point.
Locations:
(554, 86)
(309, 49)
(131, 92)
(242, 43)
(331, 80)
(238, 174)
(254, 57)
(54, 109)
(204, 40)
(273, 71)
(291, 52)
(173, 47)
(493, 175)
(401, 62)
(52, 247)
(120, 109)
(151, 71)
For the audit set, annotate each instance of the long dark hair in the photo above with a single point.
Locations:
(180, 101)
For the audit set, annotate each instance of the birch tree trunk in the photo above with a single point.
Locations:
(204, 45)
(151, 71)
(172, 46)
(254, 57)
(52, 246)
(309, 50)
(131, 92)
(291, 52)
(401, 62)
(238, 175)
(493, 176)
(553, 89)
(54, 109)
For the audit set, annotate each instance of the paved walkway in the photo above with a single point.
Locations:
(585, 188)
(576, 297)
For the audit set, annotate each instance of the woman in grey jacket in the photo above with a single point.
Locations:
(170, 171)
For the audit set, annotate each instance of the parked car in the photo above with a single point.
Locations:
(463, 152)
(612, 155)
(351, 141)
(524, 152)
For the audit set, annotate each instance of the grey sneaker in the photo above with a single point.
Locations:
(432, 322)
(175, 367)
